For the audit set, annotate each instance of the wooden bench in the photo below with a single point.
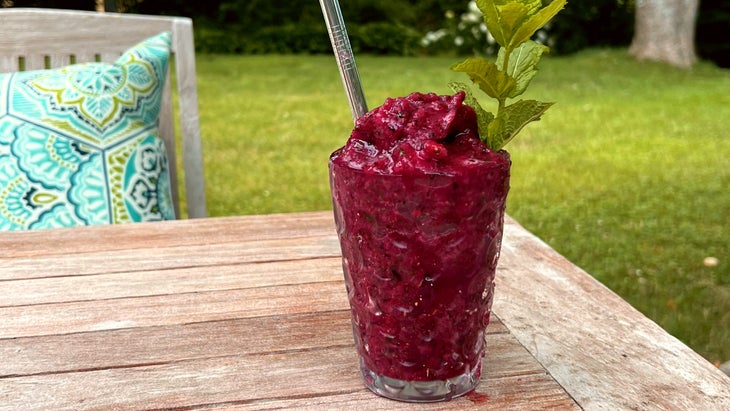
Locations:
(36, 38)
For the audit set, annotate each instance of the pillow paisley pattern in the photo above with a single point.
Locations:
(79, 144)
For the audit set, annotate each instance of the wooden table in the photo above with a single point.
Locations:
(251, 313)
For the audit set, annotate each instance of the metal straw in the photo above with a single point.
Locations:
(343, 55)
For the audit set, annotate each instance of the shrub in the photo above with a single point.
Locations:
(713, 18)
(578, 26)
(594, 23)
(384, 38)
(209, 39)
(462, 34)
(289, 38)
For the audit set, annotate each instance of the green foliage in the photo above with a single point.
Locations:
(512, 23)
(259, 27)
(522, 64)
(229, 25)
(496, 83)
(590, 24)
(463, 32)
(713, 18)
(373, 38)
(512, 119)
(384, 38)
(57, 4)
(213, 40)
(289, 38)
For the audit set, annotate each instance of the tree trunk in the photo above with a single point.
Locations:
(665, 31)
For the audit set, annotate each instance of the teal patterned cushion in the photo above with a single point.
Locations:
(79, 144)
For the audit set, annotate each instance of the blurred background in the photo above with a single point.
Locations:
(404, 27)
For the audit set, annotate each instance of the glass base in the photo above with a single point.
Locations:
(420, 391)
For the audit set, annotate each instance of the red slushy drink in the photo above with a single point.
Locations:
(419, 204)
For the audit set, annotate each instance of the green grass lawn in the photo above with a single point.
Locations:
(628, 175)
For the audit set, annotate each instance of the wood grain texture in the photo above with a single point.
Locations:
(160, 310)
(265, 376)
(604, 352)
(134, 282)
(219, 230)
(65, 353)
(251, 312)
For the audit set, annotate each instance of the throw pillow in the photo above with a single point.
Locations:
(79, 144)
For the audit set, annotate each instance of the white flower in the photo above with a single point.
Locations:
(541, 36)
(471, 18)
(433, 36)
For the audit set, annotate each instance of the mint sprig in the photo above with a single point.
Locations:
(512, 23)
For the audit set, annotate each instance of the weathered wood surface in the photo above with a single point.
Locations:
(605, 353)
(250, 313)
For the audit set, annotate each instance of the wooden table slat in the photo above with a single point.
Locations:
(619, 358)
(142, 236)
(173, 343)
(534, 392)
(97, 315)
(164, 256)
(218, 380)
(183, 280)
(250, 313)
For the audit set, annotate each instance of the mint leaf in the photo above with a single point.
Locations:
(505, 18)
(512, 23)
(487, 76)
(522, 64)
(512, 16)
(512, 119)
(534, 22)
(533, 6)
(492, 20)
(483, 116)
